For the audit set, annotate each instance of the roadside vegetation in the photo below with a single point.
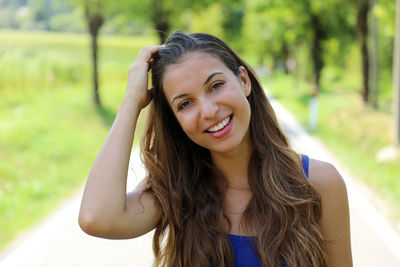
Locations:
(50, 130)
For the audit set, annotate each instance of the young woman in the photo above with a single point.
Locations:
(223, 187)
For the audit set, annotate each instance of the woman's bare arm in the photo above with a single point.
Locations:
(335, 221)
(106, 210)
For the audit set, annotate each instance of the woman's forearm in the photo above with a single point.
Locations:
(106, 210)
(104, 197)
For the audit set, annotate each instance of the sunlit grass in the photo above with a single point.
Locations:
(50, 130)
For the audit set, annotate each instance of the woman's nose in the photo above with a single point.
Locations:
(208, 109)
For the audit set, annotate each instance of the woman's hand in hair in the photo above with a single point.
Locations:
(137, 88)
(106, 210)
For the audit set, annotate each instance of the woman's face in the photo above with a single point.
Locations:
(209, 101)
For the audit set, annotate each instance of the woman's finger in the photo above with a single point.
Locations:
(147, 52)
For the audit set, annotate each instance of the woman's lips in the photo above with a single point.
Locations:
(224, 131)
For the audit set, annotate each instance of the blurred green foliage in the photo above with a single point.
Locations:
(272, 33)
(50, 133)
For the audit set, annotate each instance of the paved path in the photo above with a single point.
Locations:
(59, 242)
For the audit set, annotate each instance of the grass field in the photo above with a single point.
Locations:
(351, 130)
(50, 130)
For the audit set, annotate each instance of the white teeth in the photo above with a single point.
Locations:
(221, 125)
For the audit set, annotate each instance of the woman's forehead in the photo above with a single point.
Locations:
(194, 65)
(191, 71)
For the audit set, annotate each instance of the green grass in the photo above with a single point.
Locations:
(50, 130)
(352, 131)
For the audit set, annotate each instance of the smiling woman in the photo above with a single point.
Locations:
(210, 100)
(223, 187)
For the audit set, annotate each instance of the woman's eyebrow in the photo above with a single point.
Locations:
(178, 96)
(212, 75)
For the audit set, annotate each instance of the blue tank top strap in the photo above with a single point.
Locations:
(305, 163)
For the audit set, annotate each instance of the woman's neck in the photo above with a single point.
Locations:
(234, 166)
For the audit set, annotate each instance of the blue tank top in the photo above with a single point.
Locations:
(243, 251)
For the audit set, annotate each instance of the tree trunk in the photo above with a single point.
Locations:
(316, 50)
(96, 96)
(160, 17)
(95, 20)
(396, 76)
(362, 25)
(285, 56)
(162, 28)
(275, 62)
(373, 59)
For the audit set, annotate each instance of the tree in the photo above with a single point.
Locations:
(327, 20)
(232, 22)
(385, 13)
(161, 12)
(94, 14)
(222, 18)
(156, 12)
(272, 30)
(363, 8)
(374, 59)
(318, 36)
(285, 24)
(396, 75)
(160, 15)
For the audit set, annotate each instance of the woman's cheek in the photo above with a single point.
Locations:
(185, 123)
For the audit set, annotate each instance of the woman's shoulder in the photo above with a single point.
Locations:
(335, 220)
(324, 176)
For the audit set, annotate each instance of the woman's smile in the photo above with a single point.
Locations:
(221, 128)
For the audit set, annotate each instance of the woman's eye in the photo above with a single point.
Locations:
(183, 104)
(216, 85)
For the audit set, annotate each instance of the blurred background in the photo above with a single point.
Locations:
(64, 66)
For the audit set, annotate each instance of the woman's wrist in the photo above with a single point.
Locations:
(130, 106)
(134, 99)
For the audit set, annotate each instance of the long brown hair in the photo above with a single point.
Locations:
(284, 209)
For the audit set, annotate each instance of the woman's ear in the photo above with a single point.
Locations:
(245, 80)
